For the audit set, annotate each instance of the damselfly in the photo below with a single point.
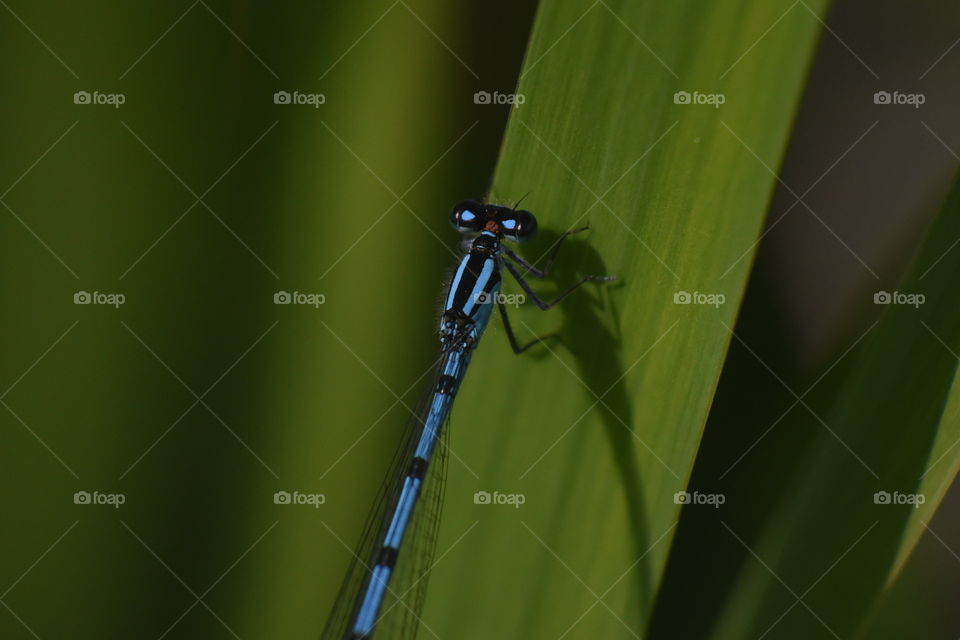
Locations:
(399, 540)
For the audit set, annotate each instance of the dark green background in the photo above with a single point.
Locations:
(111, 207)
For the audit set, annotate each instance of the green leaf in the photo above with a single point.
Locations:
(598, 430)
(890, 429)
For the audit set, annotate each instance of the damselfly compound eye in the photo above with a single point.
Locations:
(468, 217)
(518, 226)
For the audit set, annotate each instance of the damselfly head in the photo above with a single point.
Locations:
(516, 225)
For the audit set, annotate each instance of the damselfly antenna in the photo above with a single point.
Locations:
(522, 198)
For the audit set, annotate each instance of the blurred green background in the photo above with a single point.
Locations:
(196, 400)
(199, 398)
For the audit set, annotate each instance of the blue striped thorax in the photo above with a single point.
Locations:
(477, 280)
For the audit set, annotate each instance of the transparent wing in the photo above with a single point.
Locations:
(399, 617)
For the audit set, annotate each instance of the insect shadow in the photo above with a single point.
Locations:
(590, 331)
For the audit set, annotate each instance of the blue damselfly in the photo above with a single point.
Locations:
(400, 535)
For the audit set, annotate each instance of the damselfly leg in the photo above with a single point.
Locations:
(517, 349)
(541, 273)
(532, 270)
